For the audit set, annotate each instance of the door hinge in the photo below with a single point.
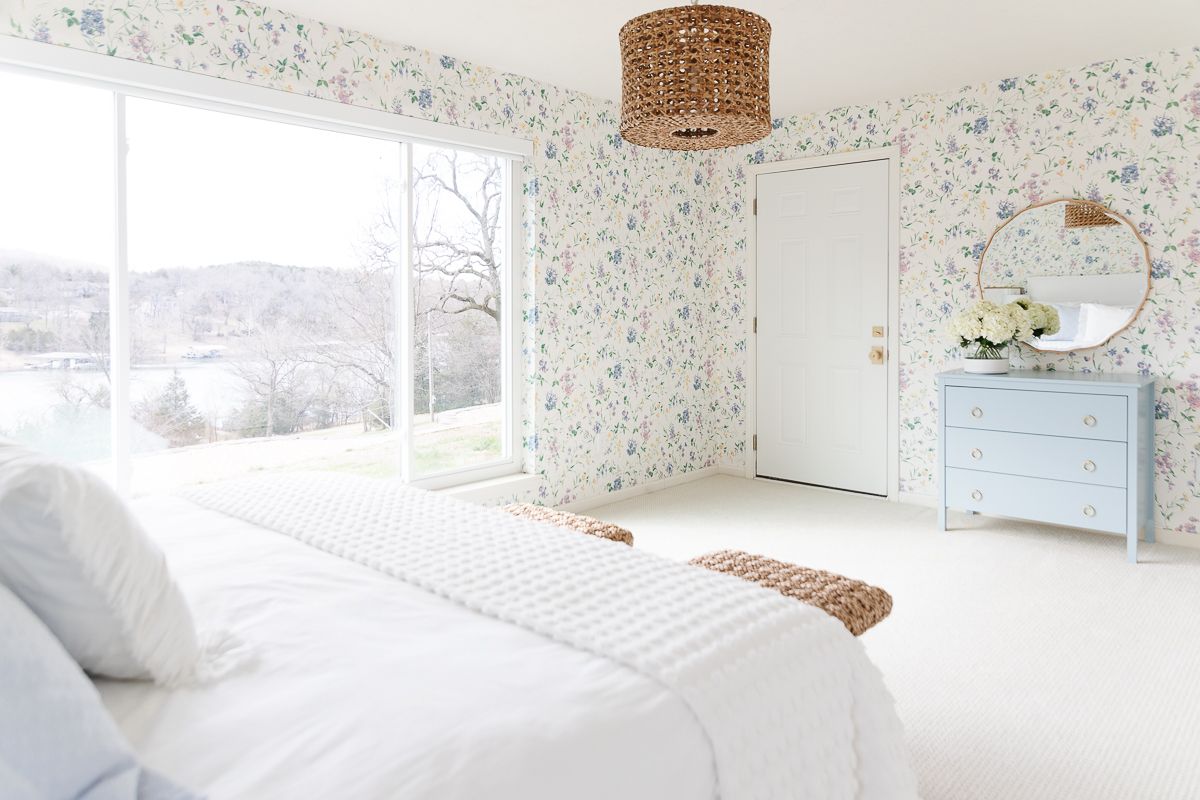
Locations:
(754, 442)
(755, 206)
(754, 329)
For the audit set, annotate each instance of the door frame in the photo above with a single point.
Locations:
(890, 154)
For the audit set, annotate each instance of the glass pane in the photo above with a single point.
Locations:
(261, 262)
(458, 273)
(56, 255)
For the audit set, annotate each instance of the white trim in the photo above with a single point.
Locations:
(891, 154)
(1177, 538)
(918, 499)
(168, 84)
(496, 490)
(606, 498)
(402, 308)
(120, 341)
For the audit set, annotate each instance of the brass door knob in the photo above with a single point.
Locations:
(875, 356)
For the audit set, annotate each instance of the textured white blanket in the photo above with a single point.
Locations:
(788, 698)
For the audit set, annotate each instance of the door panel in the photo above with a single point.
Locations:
(822, 286)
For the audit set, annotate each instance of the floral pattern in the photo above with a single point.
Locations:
(1125, 133)
(635, 313)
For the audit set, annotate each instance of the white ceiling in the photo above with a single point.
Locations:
(823, 54)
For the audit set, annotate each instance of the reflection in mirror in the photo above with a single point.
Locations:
(1076, 255)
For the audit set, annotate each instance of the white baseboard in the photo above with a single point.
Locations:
(917, 499)
(1177, 538)
(642, 488)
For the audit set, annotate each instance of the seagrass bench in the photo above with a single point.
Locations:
(858, 605)
(588, 525)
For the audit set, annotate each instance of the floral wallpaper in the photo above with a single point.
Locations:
(1125, 133)
(1037, 243)
(636, 306)
(619, 318)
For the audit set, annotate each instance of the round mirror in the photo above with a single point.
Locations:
(1080, 257)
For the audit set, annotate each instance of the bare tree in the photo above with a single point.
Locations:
(458, 201)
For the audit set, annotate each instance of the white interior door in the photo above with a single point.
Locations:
(822, 306)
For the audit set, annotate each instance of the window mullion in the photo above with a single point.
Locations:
(118, 305)
(404, 319)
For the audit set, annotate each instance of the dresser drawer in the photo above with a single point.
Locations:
(1055, 457)
(1088, 416)
(1100, 508)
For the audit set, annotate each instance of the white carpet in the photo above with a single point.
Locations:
(1027, 661)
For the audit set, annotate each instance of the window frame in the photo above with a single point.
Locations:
(124, 78)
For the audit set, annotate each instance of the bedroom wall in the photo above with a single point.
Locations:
(620, 273)
(1124, 132)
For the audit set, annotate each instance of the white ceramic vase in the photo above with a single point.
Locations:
(985, 366)
(987, 360)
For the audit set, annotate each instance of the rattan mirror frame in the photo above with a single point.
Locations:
(1100, 207)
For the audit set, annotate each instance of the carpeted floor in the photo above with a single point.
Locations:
(1027, 661)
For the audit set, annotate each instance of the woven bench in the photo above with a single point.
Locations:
(565, 519)
(858, 605)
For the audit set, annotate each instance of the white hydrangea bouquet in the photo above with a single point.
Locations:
(986, 329)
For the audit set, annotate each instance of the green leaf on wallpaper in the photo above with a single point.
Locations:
(187, 37)
(240, 12)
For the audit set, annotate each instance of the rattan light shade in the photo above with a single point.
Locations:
(1085, 215)
(695, 78)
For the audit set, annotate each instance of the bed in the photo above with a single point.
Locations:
(392, 643)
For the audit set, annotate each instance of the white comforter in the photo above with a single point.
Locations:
(365, 688)
(727, 690)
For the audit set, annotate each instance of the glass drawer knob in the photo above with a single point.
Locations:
(976, 412)
(976, 495)
(1088, 511)
(1090, 421)
(1089, 466)
(976, 454)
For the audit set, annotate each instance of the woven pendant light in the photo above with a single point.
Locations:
(695, 78)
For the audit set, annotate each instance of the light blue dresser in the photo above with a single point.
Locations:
(1065, 448)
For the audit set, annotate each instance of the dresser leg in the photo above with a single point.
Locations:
(1131, 542)
(1149, 529)
(941, 518)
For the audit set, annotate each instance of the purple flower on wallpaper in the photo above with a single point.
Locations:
(977, 249)
(447, 62)
(1160, 268)
(91, 22)
(631, 222)
(951, 145)
(551, 276)
(758, 157)
(697, 281)
(41, 33)
(1006, 209)
(1089, 104)
(1148, 86)
(980, 126)
(631, 447)
(551, 401)
(946, 187)
(551, 151)
(1163, 126)
(239, 49)
(697, 383)
(1008, 84)
(616, 371)
(631, 336)
(831, 142)
(1130, 173)
(776, 123)
(685, 207)
(425, 98)
(615, 256)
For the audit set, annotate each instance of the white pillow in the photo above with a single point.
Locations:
(56, 737)
(73, 552)
(1069, 322)
(1100, 322)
